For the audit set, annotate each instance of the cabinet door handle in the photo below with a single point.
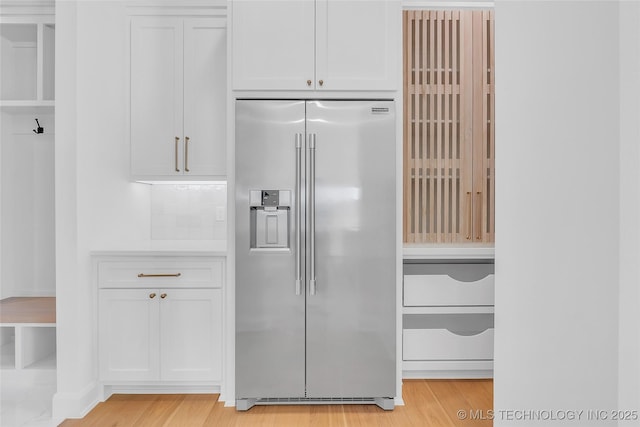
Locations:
(175, 155)
(321, 82)
(152, 295)
(308, 82)
(160, 275)
(186, 154)
(469, 215)
(479, 214)
(163, 296)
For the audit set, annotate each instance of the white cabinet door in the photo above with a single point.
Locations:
(316, 45)
(178, 97)
(356, 44)
(205, 73)
(156, 95)
(273, 44)
(190, 334)
(128, 334)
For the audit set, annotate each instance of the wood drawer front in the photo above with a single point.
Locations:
(450, 285)
(205, 273)
(447, 337)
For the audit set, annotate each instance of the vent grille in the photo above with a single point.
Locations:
(380, 110)
(315, 401)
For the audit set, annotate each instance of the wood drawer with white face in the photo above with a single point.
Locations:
(161, 273)
(448, 285)
(447, 337)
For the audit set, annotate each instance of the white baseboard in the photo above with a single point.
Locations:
(160, 389)
(447, 374)
(75, 404)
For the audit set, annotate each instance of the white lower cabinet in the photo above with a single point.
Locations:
(162, 332)
(447, 322)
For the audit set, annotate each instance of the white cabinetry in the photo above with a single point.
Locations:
(316, 45)
(447, 325)
(178, 98)
(160, 319)
(27, 63)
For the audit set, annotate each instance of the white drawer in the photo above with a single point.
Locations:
(450, 285)
(448, 337)
(163, 273)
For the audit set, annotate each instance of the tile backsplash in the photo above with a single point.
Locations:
(189, 212)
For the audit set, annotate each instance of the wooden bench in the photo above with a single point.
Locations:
(28, 333)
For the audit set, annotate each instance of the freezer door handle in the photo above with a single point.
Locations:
(312, 213)
(299, 138)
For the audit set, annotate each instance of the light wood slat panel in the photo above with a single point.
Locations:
(466, 125)
(449, 129)
(455, 216)
(478, 124)
(416, 128)
(446, 118)
(423, 129)
(408, 166)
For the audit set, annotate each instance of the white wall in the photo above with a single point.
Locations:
(557, 208)
(629, 337)
(28, 262)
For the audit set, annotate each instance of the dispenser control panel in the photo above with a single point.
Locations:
(269, 218)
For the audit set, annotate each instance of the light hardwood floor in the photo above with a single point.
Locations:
(427, 403)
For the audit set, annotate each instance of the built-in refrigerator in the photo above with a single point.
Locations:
(315, 246)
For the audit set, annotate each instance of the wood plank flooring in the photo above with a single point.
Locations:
(428, 403)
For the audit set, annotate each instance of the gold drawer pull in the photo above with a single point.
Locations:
(152, 296)
(163, 296)
(160, 275)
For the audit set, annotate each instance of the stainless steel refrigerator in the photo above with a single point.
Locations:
(315, 252)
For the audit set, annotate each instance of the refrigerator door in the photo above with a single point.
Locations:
(351, 309)
(270, 314)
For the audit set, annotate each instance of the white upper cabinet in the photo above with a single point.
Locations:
(178, 88)
(316, 45)
(27, 58)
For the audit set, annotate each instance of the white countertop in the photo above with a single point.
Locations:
(170, 248)
(448, 251)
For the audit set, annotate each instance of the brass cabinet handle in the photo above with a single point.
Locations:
(479, 212)
(163, 296)
(175, 155)
(186, 154)
(321, 82)
(308, 82)
(152, 295)
(469, 215)
(160, 275)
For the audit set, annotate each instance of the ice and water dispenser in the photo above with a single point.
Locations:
(269, 217)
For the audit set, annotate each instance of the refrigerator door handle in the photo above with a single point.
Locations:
(298, 221)
(312, 213)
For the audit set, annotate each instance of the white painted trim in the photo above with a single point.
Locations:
(108, 390)
(76, 404)
(27, 11)
(444, 4)
(448, 252)
(450, 374)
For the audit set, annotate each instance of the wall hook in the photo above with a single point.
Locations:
(39, 129)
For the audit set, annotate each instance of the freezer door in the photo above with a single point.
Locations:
(270, 313)
(351, 309)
